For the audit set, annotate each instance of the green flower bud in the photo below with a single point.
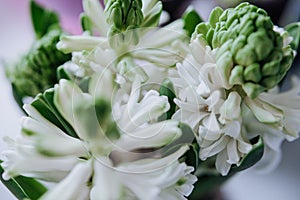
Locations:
(114, 13)
(257, 51)
(124, 14)
(36, 71)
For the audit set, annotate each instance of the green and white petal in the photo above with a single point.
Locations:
(98, 80)
(263, 111)
(79, 110)
(152, 10)
(22, 151)
(290, 108)
(39, 124)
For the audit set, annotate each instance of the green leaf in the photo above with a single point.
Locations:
(17, 96)
(45, 105)
(192, 156)
(23, 187)
(42, 19)
(206, 185)
(167, 89)
(294, 30)
(191, 19)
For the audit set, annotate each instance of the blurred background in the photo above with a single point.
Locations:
(16, 37)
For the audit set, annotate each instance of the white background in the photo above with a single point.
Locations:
(16, 36)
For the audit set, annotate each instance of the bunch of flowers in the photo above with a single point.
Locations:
(134, 110)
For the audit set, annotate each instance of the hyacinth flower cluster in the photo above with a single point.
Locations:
(142, 111)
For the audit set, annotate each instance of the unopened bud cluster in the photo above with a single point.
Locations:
(250, 52)
(123, 16)
(36, 72)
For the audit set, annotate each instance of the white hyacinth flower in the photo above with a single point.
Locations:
(158, 48)
(268, 108)
(212, 111)
(229, 147)
(223, 136)
(199, 88)
(274, 120)
(87, 167)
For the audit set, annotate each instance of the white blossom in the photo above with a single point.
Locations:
(284, 116)
(213, 112)
(87, 167)
(158, 48)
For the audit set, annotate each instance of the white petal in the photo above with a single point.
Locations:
(214, 149)
(231, 109)
(160, 37)
(244, 147)
(33, 113)
(101, 85)
(233, 129)
(79, 110)
(221, 163)
(199, 50)
(149, 165)
(106, 185)
(264, 112)
(68, 44)
(160, 183)
(95, 12)
(73, 185)
(17, 159)
(188, 72)
(208, 134)
(60, 146)
(232, 151)
(141, 189)
(211, 123)
(155, 135)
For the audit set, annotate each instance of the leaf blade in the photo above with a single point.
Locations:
(42, 19)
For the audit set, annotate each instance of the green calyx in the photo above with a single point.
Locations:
(36, 71)
(245, 35)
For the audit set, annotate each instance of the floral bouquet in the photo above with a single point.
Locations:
(133, 109)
